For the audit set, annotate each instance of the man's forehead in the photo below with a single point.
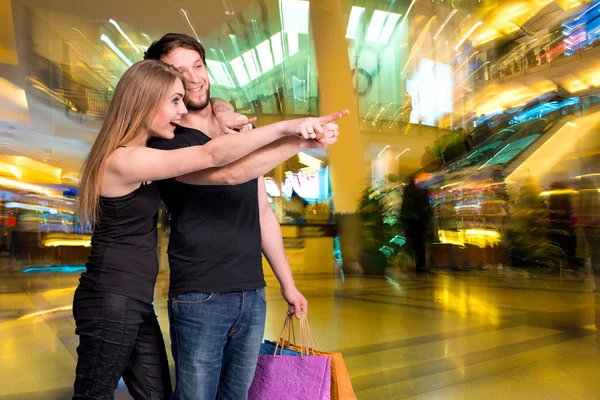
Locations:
(182, 55)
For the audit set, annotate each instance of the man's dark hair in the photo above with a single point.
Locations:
(172, 41)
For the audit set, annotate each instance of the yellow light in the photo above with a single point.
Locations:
(13, 102)
(573, 85)
(568, 4)
(67, 242)
(587, 175)
(27, 186)
(557, 192)
(16, 171)
(549, 153)
(484, 232)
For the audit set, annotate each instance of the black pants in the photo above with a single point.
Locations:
(118, 337)
(416, 235)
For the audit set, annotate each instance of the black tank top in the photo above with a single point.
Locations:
(123, 258)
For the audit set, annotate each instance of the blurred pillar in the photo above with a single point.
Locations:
(336, 92)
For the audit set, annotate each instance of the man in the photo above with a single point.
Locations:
(217, 302)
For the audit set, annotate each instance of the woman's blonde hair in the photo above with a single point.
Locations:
(138, 95)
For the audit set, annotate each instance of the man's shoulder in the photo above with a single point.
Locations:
(184, 137)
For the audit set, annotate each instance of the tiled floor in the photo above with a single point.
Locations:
(499, 333)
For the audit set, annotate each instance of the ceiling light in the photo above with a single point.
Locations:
(381, 26)
(354, 21)
(264, 56)
(237, 65)
(220, 73)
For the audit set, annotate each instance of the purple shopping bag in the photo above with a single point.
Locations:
(291, 378)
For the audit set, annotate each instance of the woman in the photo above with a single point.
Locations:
(118, 330)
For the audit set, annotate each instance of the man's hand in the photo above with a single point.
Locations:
(297, 303)
(232, 122)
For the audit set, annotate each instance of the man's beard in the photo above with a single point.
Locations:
(194, 106)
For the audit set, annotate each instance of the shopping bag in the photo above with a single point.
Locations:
(282, 377)
(341, 386)
(291, 378)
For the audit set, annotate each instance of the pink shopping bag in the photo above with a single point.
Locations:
(289, 377)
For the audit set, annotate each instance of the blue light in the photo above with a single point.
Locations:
(55, 268)
(543, 109)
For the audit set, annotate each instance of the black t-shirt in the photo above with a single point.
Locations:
(215, 242)
(123, 258)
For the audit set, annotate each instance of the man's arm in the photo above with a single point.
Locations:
(250, 167)
(229, 120)
(272, 248)
(257, 163)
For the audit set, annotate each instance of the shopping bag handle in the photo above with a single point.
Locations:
(288, 323)
(309, 343)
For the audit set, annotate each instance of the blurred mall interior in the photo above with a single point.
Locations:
(491, 107)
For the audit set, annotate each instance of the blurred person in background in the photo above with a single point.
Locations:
(416, 213)
(562, 232)
(118, 330)
(217, 304)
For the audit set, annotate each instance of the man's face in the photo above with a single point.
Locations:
(190, 64)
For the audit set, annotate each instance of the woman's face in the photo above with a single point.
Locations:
(169, 113)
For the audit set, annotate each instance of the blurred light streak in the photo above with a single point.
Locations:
(557, 192)
(403, 151)
(407, 12)
(185, 14)
(467, 60)
(116, 25)
(495, 155)
(78, 52)
(148, 38)
(587, 175)
(54, 268)
(444, 24)
(26, 186)
(116, 50)
(45, 312)
(384, 149)
(31, 207)
(477, 25)
(86, 39)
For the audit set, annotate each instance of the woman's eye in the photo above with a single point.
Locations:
(176, 100)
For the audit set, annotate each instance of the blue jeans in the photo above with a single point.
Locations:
(215, 340)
